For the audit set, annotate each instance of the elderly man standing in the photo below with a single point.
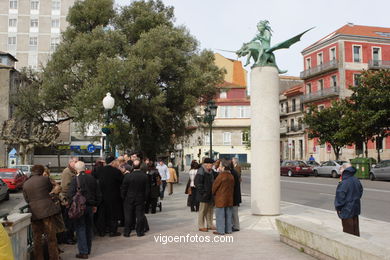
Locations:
(164, 174)
(36, 191)
(89, 189)
(66, 177)
(347, 201)
(204, 182)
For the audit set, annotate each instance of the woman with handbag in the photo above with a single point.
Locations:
(193, 202)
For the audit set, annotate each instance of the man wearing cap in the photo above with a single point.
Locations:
(204, 182)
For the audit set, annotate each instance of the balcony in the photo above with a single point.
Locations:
(325, 93)
(325, 67)
(283, 130)
(294, 128)
(378, 64)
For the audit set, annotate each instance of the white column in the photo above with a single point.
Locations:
(265, 137)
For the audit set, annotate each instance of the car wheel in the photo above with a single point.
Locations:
(372, 176)
(290, 174)
(315, 172)
(334, 174)
(7, 196)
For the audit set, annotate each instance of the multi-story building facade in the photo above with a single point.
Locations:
(30, 30)
(292, 138)
(334, 63)
(9, 81)
(231, 122)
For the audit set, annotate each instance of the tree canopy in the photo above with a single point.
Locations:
(153, 69)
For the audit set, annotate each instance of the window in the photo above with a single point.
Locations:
(54, 42)
(225, 111)
(13, 4)
(12, 40)
(55, 5)
(33, 41)
(308, 63)
(376, 56)
(223, 94)
(294, 105)
(320, 59)
(292, 123)
(207, 139)
(33, 60)
(34, 23)
(244, 137)
(356, 54)
(34, 5)
(55, 23)
(243, 111)
(332, 53)
(308, 88)
(356, 79)
(227, 138)
(321, 85)
(333, 80)
(12, 22)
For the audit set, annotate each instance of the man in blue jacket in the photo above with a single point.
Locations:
(347, 201)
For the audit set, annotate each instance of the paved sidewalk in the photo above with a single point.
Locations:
(258, 238)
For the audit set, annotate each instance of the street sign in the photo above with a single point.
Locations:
(91, 148)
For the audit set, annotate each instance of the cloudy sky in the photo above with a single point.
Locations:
(226, 24)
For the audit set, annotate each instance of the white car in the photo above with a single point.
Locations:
(4, 192)
(328, 168)
(26, 169)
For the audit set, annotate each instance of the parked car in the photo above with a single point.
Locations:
(291, 168)
(13, 177)
(328, 168)
(4, 191)
(381, 171)
(26, 169)
(312, 164)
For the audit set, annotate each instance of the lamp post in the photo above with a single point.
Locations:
(108, 104)
(210, 113)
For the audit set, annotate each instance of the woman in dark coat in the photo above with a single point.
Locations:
(192, 201)
(236, 197)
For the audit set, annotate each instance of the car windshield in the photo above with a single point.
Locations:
(302, 164)
(7, 175)
(341, 162)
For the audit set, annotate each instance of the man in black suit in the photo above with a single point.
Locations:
(110, 180)
(135, 191)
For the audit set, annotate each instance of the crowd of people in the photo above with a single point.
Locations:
(119, 192)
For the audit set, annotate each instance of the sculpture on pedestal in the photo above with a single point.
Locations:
(260, 50)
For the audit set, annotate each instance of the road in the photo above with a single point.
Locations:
(319, 192)
(15, 201)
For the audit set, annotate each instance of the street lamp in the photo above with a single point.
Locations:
(108, 104)
(210, 113)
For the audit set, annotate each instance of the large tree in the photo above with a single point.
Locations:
(327, 125)
(152, 68)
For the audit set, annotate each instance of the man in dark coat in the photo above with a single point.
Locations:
(84, 225)
(204, 182)
(36, 193)
(110, 181)
(154, 184)
(135, 191)
(347, 201)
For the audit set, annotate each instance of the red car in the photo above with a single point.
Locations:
(14, 178)
(291, 168)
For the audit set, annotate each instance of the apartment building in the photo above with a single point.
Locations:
(30, 30)
(333, 64)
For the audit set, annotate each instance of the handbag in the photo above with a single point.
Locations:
(78, 206)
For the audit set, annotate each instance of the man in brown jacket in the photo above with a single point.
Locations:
(36, 193)
(223, 188)
(66, 177)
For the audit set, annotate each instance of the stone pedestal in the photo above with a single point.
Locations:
(265, 141)
(17, 227)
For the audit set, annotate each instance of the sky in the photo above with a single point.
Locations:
(227, 24)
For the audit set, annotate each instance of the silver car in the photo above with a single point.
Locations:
(4, 192)
(381, 171)
(328, 168)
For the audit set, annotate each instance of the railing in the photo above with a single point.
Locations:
(331, 65)
(295, 128)
(324, 93)
(379, 64)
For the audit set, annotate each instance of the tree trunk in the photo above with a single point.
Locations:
(336, 151)
(366, 148)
